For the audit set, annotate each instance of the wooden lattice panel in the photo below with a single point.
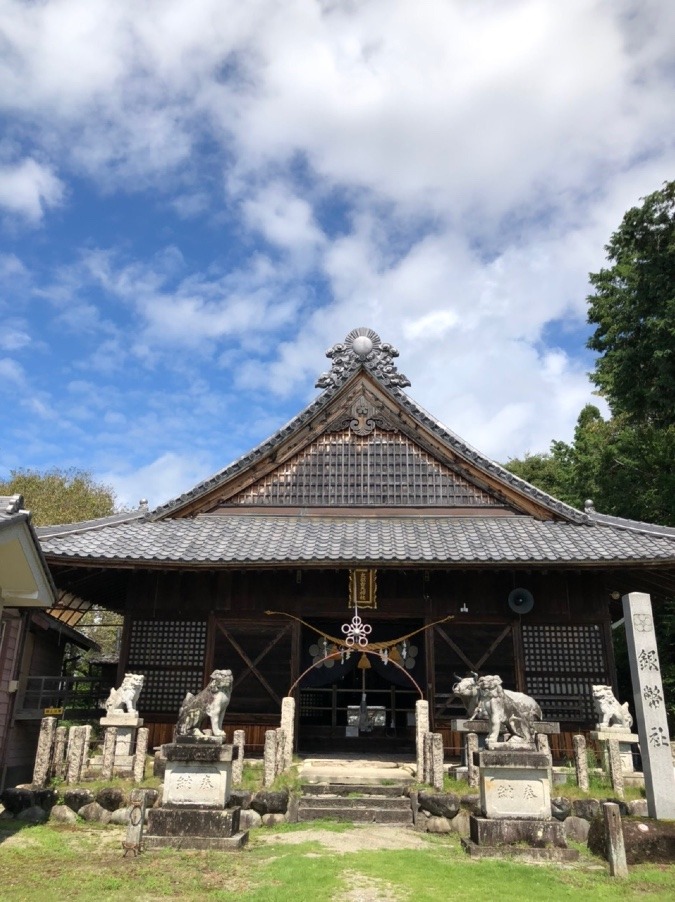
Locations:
(162, 643)
(164, 691)
(383, 468)
(170, 654)
(562, 663)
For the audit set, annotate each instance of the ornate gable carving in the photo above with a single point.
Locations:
(363, 416)
(362, 347)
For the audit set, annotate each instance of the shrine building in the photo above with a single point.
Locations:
(362, 499)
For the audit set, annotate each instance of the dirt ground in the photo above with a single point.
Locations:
(371, 837)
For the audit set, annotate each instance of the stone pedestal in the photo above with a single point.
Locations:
(197, 787)
(126, 726)
(625, 739)
(198, 774)
(515, 801)
(514, 784)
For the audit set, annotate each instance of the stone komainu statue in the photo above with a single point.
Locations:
(610, 712)
(467, 689)
(210, 703)
(127, 694)
(504, 713)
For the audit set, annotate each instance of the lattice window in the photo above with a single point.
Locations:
(561, 665)
(167, 643)
(382, 468)
(171, 656)
(164, 691)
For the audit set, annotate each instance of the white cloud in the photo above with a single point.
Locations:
(12, 371)
(444, 172)
(14, 335)
(283, 218)
(29, 188)
(164, 478)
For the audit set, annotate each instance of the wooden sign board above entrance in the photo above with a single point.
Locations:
(363, 588)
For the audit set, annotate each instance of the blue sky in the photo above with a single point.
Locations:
(197, 199)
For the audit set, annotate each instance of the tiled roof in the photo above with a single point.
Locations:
(266, 540)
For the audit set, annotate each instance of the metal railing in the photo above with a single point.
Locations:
(75, 698)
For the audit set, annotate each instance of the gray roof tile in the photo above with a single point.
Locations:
(268, 540)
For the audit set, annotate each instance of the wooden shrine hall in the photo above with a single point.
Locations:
(363, 498)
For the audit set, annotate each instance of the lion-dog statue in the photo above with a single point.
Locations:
(610, 712)
(126, 696)
(467, 690)
(505, 714)
(210, 703)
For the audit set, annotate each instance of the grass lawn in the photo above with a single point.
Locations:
(316, 862)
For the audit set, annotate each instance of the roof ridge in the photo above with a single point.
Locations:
(641, 526)
(62, 529)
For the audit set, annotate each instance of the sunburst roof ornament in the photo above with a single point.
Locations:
(362, 347)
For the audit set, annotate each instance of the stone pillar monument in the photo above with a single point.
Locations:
(650, 708)
(421, 729)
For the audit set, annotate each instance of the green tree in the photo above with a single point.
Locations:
(60, 496)
(626, 464)
(549, 472)
(69, 496)
(633, 307)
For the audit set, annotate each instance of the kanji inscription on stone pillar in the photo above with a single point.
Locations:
(650, 706)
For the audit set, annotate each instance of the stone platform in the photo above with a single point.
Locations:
(537, 833)
(527, 852)
(357, 770)
(198, 843)
(464, 725)
(194, 829)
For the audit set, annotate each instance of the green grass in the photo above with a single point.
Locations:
(82, 862)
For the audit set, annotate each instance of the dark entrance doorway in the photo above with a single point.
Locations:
(360, 703)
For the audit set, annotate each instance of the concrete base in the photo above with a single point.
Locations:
(220, 843)
(121, 719)
(528, 854)
(194, 829)
(508, 831)
(193, 822)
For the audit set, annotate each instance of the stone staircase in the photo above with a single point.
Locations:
(356, 803)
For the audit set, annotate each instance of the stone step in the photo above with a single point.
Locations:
(345, 804)
(356, 815)
(397, 790)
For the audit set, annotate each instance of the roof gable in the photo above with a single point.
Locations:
(363, 441)
(379, 468)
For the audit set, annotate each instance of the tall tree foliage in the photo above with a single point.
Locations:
(69, 496)
(626, 464)
(633, 307)
(60, 496)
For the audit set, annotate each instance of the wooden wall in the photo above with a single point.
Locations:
(176, 603)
